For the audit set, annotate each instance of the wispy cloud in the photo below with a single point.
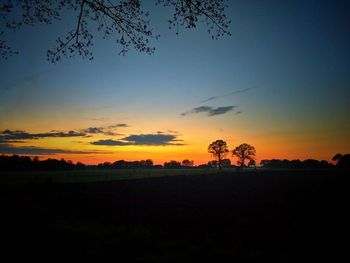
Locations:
(172, 131)
(158, 139)
(225, 95)
(106, 130)
(119, 125)
(93, 130)
(102, 119)
(210, 110)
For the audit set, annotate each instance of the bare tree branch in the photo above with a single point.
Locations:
(123, 18)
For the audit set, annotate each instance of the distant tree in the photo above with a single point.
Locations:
(187, 163)
(218, 150)
(105, 165)
(251, 163)
(80, 166)
(120, 164)
(213, 164)
(296, 164)
(25, 163)
(172, 164)
(244, 152)
(226, 163)
(124, 18)
(148, 163)
(337, 157)
(265, 163)
(342, 160)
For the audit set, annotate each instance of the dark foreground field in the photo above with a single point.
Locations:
(275, 216)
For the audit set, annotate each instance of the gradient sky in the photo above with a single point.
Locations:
(281, 82)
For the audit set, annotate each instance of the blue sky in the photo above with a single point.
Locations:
(292, 56)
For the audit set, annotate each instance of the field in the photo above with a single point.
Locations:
(97, 175)
(279, 216)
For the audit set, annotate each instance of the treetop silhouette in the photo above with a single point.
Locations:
(126, 19)
(219, 150)
(244, 152)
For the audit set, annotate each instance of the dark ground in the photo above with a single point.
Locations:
(276, 216)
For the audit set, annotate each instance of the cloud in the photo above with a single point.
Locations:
(118, 125)
(102, 119)
(152, 139)
(172, 131)
(225, 95)
(9, 149)
(158, 139)
(220, 110)
(93, 130)
(210, 110)
(110, 142)
(18, 135)
(107, 130)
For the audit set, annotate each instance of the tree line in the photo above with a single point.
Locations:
(342, 161)
(25, 163)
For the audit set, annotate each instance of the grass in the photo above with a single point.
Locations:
(81, 176)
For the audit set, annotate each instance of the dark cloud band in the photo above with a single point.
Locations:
(9, 149)
(158, 139)
(18, 135)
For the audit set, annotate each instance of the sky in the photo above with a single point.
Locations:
(280, 82)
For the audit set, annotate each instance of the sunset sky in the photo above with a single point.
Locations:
(280, 82)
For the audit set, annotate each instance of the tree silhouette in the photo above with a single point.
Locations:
(125, 18)
(219, 150)
(226, 163)
(342, 160)
(337, 157)
(172, 164)
(187, 163)
(244, 152)
(251, 163)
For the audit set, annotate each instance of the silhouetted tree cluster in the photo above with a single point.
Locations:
(219, 150)
(295, 164)
(342, 160)
(25, 163)
(213, 164)
(225, 163)
(172, 164)
(121, 164)
(244, 152)
(187, 163)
